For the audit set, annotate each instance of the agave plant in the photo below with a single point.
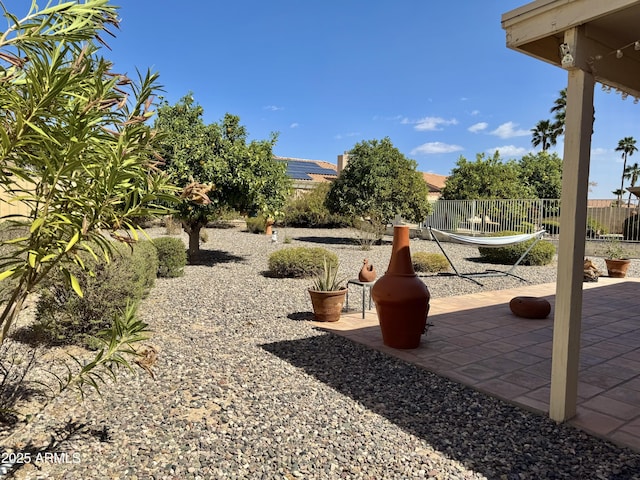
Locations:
(327, 280)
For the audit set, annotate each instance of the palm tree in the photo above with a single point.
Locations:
(560, 108)
(544, 134)
(618, 193)
(627, 146)
(632, 173)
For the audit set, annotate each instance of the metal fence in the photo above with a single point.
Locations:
(477, 217)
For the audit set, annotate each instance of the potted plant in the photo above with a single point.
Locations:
(616, 259)
(327, 294)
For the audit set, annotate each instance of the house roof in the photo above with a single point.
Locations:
(304, 170)
(434, 181)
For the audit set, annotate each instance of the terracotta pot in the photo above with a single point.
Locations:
(268, 227)
(327, 306)
(530, 307)
(367, 272)
(617, 268)
(401, 298)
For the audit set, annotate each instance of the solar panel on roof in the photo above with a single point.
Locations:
(299, 170)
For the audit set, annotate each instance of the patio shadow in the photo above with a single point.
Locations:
(484, 433)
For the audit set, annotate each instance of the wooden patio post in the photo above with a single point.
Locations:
(573, 216)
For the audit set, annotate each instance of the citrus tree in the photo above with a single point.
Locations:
(379, 182)
(217, 168)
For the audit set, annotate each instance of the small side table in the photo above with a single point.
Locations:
(364, 286)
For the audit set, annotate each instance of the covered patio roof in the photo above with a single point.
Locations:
(595, 41)
(608, 47)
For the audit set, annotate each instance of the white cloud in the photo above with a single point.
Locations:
(273, 108)
(475, 112)
(435, 147)
(478, 127)
(510, 130)
(509, 151)
(600, 151)
(433, 123)
(387, 118)
(340, 136)
(294, 125)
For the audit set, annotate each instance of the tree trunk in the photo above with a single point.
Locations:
(193, 230)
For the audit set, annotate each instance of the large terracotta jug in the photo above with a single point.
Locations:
(401, 298)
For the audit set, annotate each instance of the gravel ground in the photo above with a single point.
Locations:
(245, 387)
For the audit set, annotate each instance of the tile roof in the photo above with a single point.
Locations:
(434, 181)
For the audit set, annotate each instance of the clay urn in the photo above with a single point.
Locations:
(401, 298)
(367, 272)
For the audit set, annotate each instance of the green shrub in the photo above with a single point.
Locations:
(541, 254)
(172, 225)
(595, 228)
(62, 317)
(256, 224)
(527, 227)
(172, 256)
(308, 210)
(551, 226)
(298, 262)
(429, 262)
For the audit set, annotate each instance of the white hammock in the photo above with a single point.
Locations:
(489, 242)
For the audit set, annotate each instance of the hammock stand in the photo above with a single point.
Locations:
(490, 242)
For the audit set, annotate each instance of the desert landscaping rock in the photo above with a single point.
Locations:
(247, 388)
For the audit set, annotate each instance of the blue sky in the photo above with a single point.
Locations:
(435, 77)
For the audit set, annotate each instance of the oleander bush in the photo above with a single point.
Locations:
(429, 262)
(172, 256)
(300, 262)
(541, 254)
(63, 317)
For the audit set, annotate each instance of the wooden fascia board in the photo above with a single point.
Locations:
(543, 18)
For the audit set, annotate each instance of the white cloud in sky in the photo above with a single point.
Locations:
(599, 151)
(433, 123)
(475, 112)
(294, 125)
(478, 127)
(340, 136)
(510, 130)
(435, 147)
(273, 108)
(392, 118)
(509, 151)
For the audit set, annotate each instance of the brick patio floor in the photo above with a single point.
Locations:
(476, 340)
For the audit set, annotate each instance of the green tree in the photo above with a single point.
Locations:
(217, 168)
(542, 172)
(74, 146)
(632, 173)
(544, 134)
(627, 146)
(379, 182)
(486, 178)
